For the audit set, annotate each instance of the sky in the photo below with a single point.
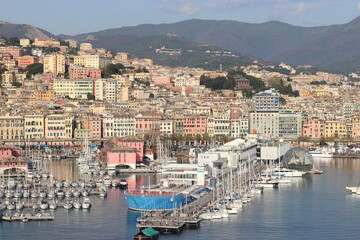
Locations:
(82, 16)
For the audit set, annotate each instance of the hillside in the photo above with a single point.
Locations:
(9, 30)
(329, 47)
(191, 54)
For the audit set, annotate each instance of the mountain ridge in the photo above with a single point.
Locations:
(328, 47)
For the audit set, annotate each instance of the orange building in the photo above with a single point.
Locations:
(24, 61)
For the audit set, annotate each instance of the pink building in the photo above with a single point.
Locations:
(10, 161)
(121, 156)
(14, 51)
(24, 61)
(195, 125)
(161, 80)
(126, 151)
(78, 72)
(314, 128)
(95, 126)
(46, 78)
(6, 151)
(147, 124)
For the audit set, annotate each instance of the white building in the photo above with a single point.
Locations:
(118, 125)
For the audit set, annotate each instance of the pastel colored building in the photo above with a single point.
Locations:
(336, 128)
(314, 128)
(147, 124)
(11, 127)
(24, 61)
(90, 61)
(126, 151)
(34, 126)
(161, 79)
(78, 72)
(54, 63)
(118, 125)
(73, 88)
(190, 125)
(121, 155)
(14, 51)
(58, 126)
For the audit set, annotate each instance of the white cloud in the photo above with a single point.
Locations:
(358, 6)
(186, 8)
(301, 8)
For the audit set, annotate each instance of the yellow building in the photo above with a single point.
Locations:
(73, 88)
(54, 63)
(335, 128)
(11, 127)
(34, 126)
(90, 61)
(24, 42)
(44, 95)
(46, 42)
(58, 126)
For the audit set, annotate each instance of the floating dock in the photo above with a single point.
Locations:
(27, 218)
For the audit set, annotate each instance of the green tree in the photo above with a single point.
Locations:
(112, 69)
(282, 100)
(198, 138)
(90, 96)
(64, 43)
(35, 68)
(16, 84)
(14, 41)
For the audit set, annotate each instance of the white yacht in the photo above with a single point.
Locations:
(321, 153)
(288, 172)
(354, 190)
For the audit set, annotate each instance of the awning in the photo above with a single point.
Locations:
(150, 232)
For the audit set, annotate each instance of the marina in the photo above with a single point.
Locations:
(318, 204)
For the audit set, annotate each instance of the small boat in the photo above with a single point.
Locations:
(26, 194)
(19, 205)
(123, 183)
(68, 205)
(42, 194)
(114, 183)
(354, 190)
(36, 206)
(34, 194)
(103, 193)
(86, 203)
(44, 205)
(2, 206)
(18, 194)
(52, 205)
(147, 234)
(107, 181)
(85, 193)
(60, 193)
(10, 206)
(68, 194)
(77, 205)
(76, 193)
(75, 184)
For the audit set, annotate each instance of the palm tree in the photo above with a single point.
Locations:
(206, 138)
(198, 139)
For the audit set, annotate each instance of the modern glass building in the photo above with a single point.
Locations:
(298, 158)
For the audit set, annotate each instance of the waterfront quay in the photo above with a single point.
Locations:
(189, 216)
(173, 221)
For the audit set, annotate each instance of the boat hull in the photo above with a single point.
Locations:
(146, 203)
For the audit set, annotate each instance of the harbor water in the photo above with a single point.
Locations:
(312, 207)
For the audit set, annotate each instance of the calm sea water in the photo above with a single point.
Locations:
(314, 207)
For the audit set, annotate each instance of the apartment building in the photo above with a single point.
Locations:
(73, 88)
